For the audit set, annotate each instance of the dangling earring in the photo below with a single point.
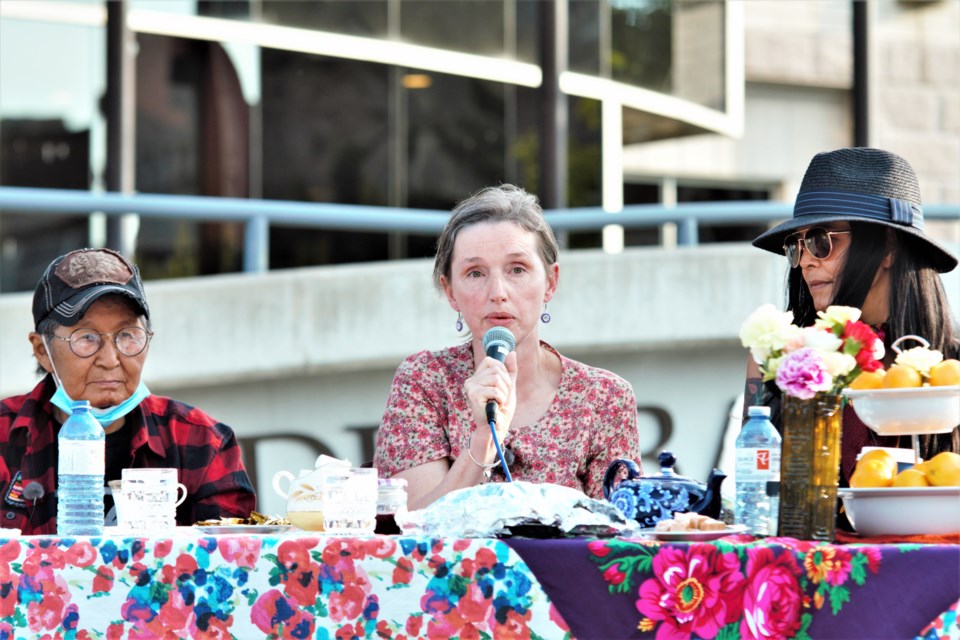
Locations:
(545, 316)
(459, 324)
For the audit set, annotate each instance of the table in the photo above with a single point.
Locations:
(300, 585)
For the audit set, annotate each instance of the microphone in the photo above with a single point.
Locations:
(497, 343)
(33, 491)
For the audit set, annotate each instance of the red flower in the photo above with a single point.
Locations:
(292, 554)
(486, 559)
(599, 548)
(613, 575)
(461, 545)
(9, 551)
(515, 627)
(348, 604)
(242, 551)
(414, 623)
(103, 581)
(186, 565)
(379, 546)
(403, 572)
(217, 629)
(81, 554)
(473, 606)
(162, 548)
(860, 341)
(176, 616)
(273, 613)
(302, 585)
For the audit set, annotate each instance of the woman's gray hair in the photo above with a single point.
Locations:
(506, 203)
(48, 327)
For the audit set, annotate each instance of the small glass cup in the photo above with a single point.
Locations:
(350, 502)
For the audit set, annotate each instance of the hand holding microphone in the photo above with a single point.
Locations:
(497, 343)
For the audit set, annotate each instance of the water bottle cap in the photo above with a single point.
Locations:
(758, 411)
(81, 405)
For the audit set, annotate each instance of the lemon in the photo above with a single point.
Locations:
(945, 373)
(871, 473)
(942, 470)
(868, 380)
(911, 478)
(881, 456)
(900, 375)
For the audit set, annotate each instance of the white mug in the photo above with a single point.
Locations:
(149, 498)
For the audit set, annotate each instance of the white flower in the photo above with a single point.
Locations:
(836, 315)
(920, 358)
(823, 341)
(839, 364)
(766, 331)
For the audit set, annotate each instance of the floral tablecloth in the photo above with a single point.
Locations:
(268, 586)
(737, 587)
(299, 585)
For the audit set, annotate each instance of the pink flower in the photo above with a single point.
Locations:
(803, 374)
(772, 600)
(695, 591)
(242, 551)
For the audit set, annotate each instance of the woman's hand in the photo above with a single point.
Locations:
(493, 381)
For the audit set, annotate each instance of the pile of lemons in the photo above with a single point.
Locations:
(877, 468)
(900, 376)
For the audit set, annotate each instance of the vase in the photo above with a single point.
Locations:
(809, 466)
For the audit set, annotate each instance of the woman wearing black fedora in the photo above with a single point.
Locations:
(856, 239)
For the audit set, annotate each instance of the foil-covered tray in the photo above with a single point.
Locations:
(516, 509)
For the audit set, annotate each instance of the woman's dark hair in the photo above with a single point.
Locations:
(918, 304)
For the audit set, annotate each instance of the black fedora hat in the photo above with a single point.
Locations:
(859, 184)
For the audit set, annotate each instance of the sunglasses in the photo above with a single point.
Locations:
(817, 241)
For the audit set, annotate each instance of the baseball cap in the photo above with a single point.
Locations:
(75, 280)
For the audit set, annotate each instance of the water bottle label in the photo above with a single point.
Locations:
(757, 465)
(81, 457)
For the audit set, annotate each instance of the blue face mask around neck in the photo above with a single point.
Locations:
(106, 416)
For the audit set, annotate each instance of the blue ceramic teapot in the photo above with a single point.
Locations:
(650, 499)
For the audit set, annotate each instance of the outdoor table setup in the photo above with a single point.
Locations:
(286, 583)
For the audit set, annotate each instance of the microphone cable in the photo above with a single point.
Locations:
(496, 443)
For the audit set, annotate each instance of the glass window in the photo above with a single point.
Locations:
(367, 18)
(52, 134)
(471, 26)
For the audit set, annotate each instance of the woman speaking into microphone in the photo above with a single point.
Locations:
(557, 420)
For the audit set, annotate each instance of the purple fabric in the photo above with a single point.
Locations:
(912, 585)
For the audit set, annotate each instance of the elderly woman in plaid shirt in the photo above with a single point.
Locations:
(91, 340)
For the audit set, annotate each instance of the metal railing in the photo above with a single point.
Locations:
(259, 215)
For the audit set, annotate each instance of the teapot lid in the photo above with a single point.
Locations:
(667, 460)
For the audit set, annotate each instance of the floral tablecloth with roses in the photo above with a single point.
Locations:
(739, 587)
(299, 585)
(269, 586)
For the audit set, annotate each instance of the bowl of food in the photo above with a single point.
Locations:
(908, 411)
(903, 510)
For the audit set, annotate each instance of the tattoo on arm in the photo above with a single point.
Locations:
(753, 394)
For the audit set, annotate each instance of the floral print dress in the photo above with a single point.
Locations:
(591, 422)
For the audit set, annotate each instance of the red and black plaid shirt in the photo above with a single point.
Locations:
(164, 433)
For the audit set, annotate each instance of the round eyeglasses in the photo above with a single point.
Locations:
(817, 241)
(130, 341)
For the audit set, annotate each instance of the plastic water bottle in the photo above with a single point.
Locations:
(758, 462)
(80, 474)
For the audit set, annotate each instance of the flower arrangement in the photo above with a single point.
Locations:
(805, 361)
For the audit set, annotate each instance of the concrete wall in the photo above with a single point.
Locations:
(310, 353)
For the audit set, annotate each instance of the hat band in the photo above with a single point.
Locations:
(859, 205)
